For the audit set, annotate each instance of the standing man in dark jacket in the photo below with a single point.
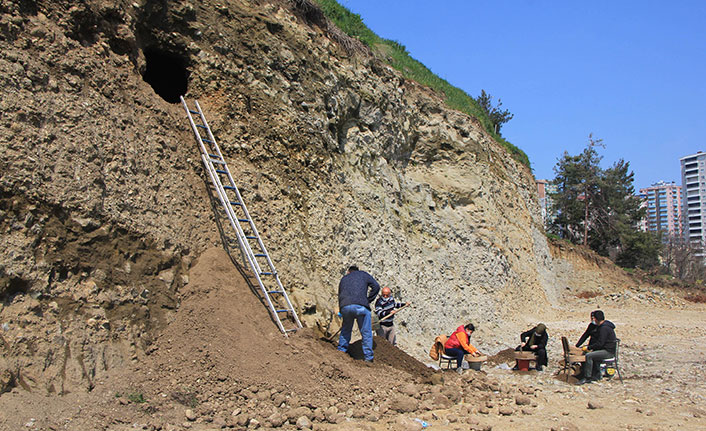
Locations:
(602, 347)
(535, 340)
(354, 303)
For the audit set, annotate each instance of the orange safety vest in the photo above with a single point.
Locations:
(459, 340)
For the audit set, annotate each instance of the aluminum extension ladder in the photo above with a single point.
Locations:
(240, 220)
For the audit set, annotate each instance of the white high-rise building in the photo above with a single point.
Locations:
(693, 179)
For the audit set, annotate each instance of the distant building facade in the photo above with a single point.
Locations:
(693, 177)
(545, 191)
(642, 224)
(664, 208)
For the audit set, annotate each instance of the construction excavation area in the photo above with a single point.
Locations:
(151, 282)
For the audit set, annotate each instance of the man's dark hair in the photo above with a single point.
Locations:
(353, 268)
(470, 327)
(593, 313)
(598, 314)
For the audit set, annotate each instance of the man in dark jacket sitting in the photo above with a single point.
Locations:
(601, 347)
(354, 300)
(535, 340)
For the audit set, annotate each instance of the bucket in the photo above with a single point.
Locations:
(523, 360)
(523, 364)
(475, 362)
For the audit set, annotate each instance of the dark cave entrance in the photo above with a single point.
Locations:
(167, 74)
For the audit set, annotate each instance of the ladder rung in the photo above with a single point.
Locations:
(273, 291)
(250, 237)
(260, 255)
(193, 112)
(207, 140)
(235, 203)
(291, 330)
(243, 220)
(220, 171)
(201, 126)
(220, 162)
(266, 273)
(214, 156)
(284, 310)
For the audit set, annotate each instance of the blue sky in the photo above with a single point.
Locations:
(631, 72)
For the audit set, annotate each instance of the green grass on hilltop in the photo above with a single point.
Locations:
(397, 56)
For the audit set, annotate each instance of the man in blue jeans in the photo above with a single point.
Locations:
(354, 300)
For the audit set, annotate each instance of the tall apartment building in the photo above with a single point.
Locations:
(545, 190)
(664, 208)
(693, 177)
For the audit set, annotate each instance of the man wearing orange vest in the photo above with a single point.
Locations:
(459, 344)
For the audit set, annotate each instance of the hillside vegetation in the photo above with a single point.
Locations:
(396, 55)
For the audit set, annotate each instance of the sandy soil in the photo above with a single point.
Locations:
(221, 364)
(663, 364)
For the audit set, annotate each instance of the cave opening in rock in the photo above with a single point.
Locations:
(13, 286)
(167, 74)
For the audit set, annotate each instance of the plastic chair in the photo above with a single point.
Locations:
(613, 362)
(569, 359)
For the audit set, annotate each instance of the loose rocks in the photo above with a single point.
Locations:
(593, 405)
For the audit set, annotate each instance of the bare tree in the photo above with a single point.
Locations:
(683, 259)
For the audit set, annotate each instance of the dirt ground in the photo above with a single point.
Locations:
(662, 362)
(222, 364)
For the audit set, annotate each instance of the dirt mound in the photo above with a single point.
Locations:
(386, 353)
(502, 357)
(223, 345)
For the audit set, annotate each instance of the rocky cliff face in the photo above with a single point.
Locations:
(104, 203)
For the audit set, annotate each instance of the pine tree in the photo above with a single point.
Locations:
(598, 208)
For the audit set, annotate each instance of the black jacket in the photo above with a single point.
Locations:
(353, 289)
(590, 332)
(540, 341)
(605, 338)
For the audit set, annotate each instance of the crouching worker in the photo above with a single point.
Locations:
(535, 340)
(458, 345)
(601, 347)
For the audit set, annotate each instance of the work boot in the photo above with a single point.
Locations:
(459, 370)
(584, 380)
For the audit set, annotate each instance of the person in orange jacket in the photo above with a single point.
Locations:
(459, 344)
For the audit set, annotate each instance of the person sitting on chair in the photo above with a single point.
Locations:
(535, 340)
(590, 331)
(602, 347)
(459, 344)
